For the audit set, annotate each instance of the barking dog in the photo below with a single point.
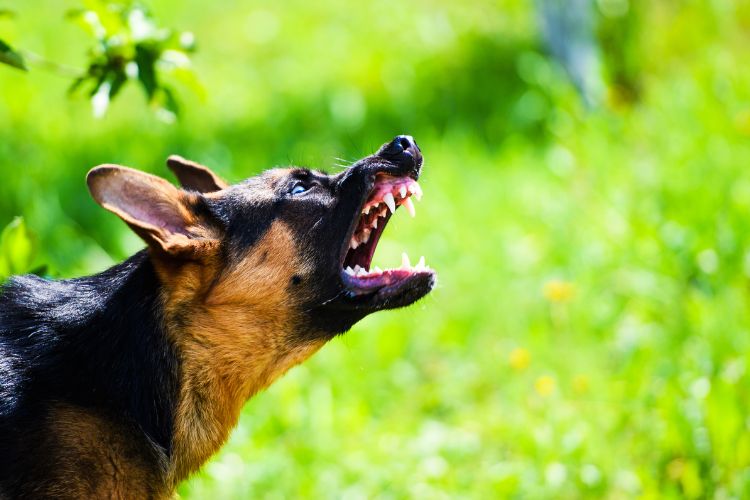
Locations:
(122, 384)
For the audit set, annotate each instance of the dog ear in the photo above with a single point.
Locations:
(194, 175)
(163, 215)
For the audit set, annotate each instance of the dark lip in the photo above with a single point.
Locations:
(399, 294)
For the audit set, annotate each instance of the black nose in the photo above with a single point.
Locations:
(403, 151)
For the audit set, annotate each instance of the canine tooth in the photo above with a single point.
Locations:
(409, 207)
(349, 270)
(420, 264)
(405, 264)
(402, 191)
(378, 270)
(390, 202)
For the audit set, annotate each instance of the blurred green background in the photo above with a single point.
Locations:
(590, 333)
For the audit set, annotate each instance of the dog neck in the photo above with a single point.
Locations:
(232, 331)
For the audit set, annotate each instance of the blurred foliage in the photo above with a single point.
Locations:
(590, 334)
(17, 249)
(11, 57)
(129, 46)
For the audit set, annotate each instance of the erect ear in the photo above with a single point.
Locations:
(194, 175)
(164, 216)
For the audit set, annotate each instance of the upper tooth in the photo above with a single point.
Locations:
(374, 223)
(420, 264)
(365, 236)
(390, 202)
(354, 243)
(402, 191)
(409, 206)
(366, 210)
(405, 264)
(418, 191)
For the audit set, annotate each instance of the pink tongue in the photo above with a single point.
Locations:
(387, 277)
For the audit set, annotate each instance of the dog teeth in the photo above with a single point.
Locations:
(365, 236)
(374, 223)
(378, 270)
(361, 272)
(409, 207)
(366, 210)
(402, 191)
(405, 264)
(390, 202)
(349, 270)
(421, 265)
(417, 191)
(354, 243)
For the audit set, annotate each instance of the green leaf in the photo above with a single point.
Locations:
(165, 103)
(145, 58)
(7, 13)
(11, 57)
(16, 249)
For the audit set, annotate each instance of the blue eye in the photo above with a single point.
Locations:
(298, 189)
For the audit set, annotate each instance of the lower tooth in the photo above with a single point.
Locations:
(405, 264)
(409, 206)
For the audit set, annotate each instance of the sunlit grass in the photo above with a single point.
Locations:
(589, 336)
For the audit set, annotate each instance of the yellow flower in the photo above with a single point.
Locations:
(558, 290)
(544, 385)
(581, 384)
(675, 469)
(742, 122)
(519, 359)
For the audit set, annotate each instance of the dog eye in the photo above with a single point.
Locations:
(298, 189)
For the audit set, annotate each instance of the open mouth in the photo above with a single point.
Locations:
(388, 194)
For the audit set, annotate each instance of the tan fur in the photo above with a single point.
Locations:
(232, 329)
(95, 457)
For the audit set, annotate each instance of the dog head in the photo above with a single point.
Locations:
(258, 275)
(291, 242)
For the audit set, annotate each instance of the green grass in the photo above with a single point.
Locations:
(590, 333)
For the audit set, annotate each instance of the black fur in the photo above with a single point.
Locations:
(96, 343)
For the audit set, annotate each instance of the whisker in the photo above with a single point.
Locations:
(320, 219)
(328, 301)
